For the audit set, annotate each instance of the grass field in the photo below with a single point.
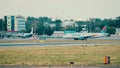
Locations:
(60, 55)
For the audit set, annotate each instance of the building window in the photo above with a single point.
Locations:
(8, 22)
(21, 26)
(21, 20)
(8, 17)
(8, 28)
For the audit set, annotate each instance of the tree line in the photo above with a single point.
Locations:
(45, 25)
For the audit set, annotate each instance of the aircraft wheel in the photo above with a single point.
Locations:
(75, 38)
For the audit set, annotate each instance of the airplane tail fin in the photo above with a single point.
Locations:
(31, 31)
(104, 29)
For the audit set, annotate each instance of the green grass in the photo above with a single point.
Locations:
(59, 55)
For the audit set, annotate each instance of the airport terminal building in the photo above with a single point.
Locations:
(15, 23)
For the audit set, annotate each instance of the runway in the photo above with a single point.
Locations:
(113, 40)
(60, 43)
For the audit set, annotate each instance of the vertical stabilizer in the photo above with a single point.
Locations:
(104, 29)
(31, 31)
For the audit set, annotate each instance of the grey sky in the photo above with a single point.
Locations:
(76, 9)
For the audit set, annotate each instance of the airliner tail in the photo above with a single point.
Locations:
(104, 29)
(31, 31)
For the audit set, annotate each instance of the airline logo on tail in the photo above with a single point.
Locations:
(104, 30)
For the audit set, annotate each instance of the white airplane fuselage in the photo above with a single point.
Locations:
(83, 36)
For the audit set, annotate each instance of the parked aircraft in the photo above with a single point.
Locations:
(28, 34)
(85, 36)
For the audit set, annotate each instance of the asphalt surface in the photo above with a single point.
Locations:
(58, 44)
(62, 43)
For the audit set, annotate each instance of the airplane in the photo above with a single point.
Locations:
(85, 36)
(27, 34)
(102, 33)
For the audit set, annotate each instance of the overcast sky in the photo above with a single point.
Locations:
(74, 9)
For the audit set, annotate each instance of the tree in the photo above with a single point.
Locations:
(42, 25)
(117, 22)
(49, 31)
(40, 28)
(1, 24)
(111, 30)
(58, 25)
(29, 23)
